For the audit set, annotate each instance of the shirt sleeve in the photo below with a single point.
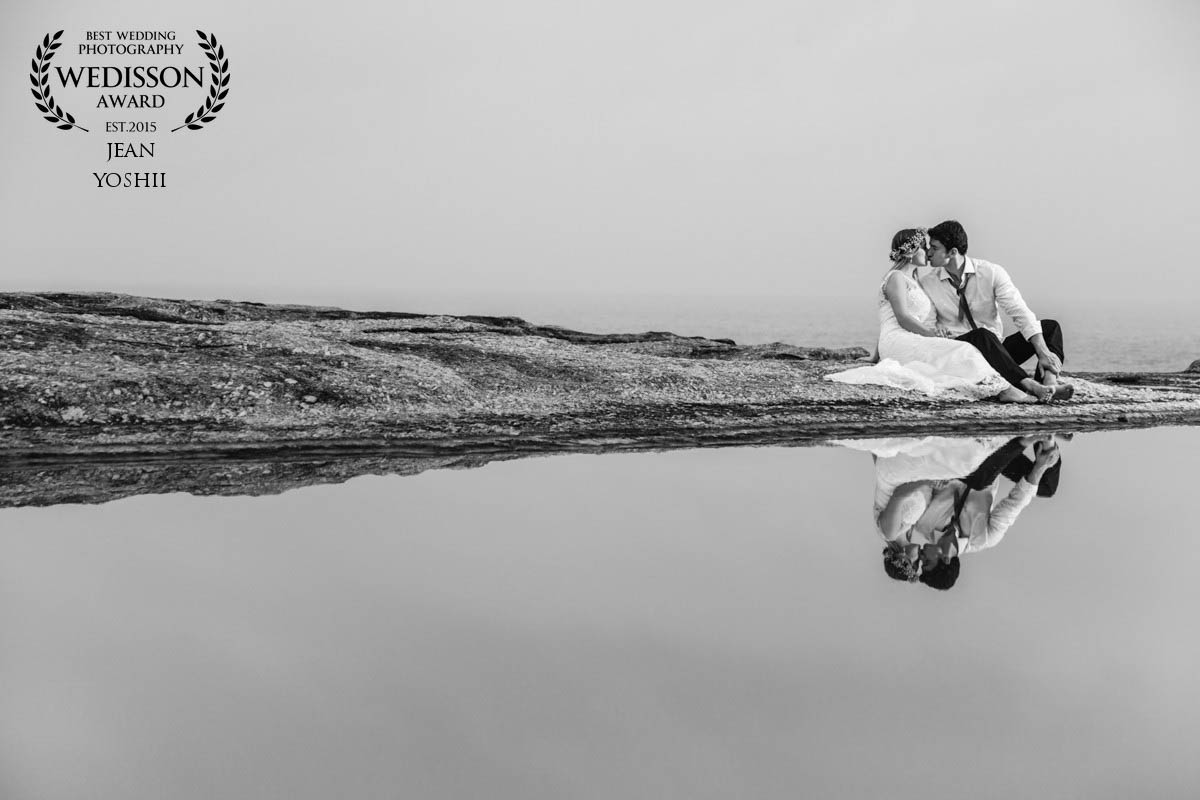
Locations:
(1006, 511)
(1009, 299)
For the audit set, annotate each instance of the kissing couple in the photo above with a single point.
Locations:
(940, 330)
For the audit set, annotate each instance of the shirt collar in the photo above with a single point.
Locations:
(968, 269)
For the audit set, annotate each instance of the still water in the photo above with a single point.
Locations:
(706, 623)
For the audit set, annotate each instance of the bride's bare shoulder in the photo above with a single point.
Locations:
(895, 280)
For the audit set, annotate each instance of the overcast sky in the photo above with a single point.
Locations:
(373, 149)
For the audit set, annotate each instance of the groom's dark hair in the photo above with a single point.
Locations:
(951, 234)
(942, 576)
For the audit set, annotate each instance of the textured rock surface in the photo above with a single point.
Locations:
(103, 480)
(96, 376)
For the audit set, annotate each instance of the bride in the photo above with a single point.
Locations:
(914, 354)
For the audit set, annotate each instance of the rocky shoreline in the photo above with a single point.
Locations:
(96, 377)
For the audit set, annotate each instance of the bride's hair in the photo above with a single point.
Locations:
(897, 566)
(905, 243)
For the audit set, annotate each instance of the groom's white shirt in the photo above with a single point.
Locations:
(983, 524)
(989, 290)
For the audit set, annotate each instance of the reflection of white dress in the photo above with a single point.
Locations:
(934, 460)
(904, 459)
(928, 364)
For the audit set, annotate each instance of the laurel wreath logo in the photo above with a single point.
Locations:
(218, 88)
(40, 78)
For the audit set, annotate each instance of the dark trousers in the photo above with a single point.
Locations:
(1006, 357)
(1011, 461)
(1019, 467)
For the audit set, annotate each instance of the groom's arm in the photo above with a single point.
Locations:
(1008, 297)
(1006, 512)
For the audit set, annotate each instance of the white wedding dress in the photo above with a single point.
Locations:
(906, 459)
(928, 364)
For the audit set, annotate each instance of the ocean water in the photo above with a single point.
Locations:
(699, 624)
(1165, 337)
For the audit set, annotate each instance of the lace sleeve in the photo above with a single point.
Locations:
(881, 295)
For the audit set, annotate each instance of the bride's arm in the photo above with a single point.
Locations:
(894, 291)
(891, 523)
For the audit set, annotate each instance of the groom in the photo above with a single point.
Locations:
(962, 513)
(968, 293)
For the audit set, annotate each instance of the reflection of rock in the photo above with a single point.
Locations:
(74, 482)
(106, 373)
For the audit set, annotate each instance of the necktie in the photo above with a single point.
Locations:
(960, 502)
(954, 526)
(964, 308)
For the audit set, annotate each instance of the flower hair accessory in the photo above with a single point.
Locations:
(896, 558)
(909, 246)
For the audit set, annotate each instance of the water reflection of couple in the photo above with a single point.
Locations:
(935, 497)
(940, 330)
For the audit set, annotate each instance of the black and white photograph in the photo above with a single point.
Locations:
(538, 400)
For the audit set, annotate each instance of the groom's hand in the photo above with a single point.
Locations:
(1049, 362)
(1048, 457)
